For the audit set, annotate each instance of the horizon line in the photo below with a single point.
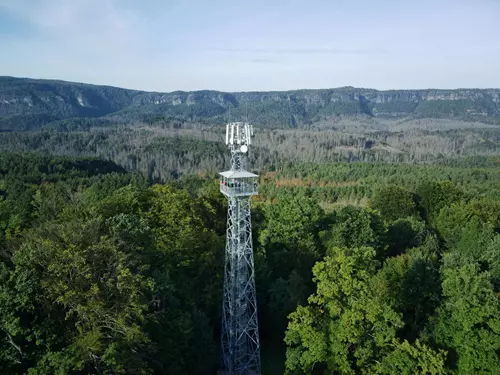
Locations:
(250, 91)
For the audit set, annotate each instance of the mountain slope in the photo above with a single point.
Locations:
(30, 103)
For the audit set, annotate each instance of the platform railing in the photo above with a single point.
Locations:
(239, 188)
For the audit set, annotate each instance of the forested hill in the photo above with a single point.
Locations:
(27, 104)
(361, 268)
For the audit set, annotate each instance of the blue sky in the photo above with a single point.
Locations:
(167, 45)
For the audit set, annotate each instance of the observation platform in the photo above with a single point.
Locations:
(238, 183)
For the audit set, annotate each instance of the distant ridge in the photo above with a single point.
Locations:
(27, 104)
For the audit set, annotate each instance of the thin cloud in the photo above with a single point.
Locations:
(264, 61)
(83, 29)
(102, 20)
(301, 51)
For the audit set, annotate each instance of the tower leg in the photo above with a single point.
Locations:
(240, 332)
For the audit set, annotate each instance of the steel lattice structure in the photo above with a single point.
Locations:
(240, 331)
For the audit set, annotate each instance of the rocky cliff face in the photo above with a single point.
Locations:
(29, 103)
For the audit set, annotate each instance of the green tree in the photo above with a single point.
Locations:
(491, 257)
(432, 196)
(355, 227)
(394, 202)
(468, 321)
(191, 252)
(289, 245)
(291, 237)
(94, 286)
(413, 285)
(474, 238)
(405, 233)
(347, 326)
(93, 292)
(451, 221)
(416, 359)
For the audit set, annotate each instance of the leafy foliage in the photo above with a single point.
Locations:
(394, 202)
(426, 309)
(468, 321)
(355, 227)
(102, 271)
(349, 323)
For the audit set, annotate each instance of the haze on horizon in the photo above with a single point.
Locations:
(253, 45)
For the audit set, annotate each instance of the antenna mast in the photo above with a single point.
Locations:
(240, 330)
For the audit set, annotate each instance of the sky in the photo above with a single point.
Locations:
(167, 45)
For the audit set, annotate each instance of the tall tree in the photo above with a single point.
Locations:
(394, 202)
(468, 322)
(349, 326)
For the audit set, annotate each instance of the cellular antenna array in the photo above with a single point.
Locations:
(240, 331)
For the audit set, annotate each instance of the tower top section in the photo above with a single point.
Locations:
(238, 136)
(238, 182)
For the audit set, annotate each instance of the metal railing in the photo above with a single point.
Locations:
(239, 189)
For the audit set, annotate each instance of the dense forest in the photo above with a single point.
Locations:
(166, 135)
(163, 152)
(363, 267)
(376, 230)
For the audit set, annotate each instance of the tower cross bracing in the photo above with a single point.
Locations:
(240, 331)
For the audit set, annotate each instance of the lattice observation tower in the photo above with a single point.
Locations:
(240, 331)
